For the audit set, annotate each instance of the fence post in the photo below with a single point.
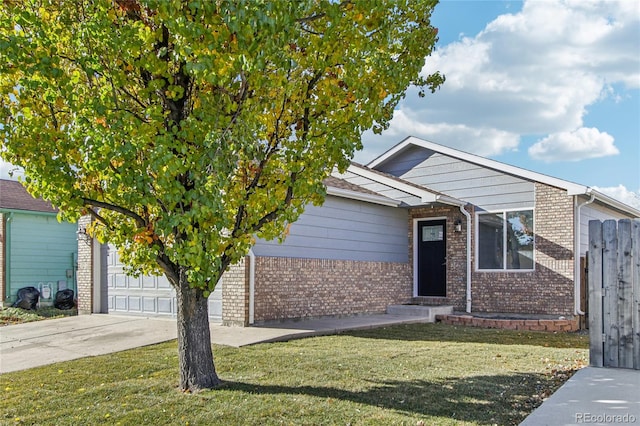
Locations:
(625, 295)
(610, 285)
(584, 292)
(596, 354)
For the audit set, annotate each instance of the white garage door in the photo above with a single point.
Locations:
(147, 295)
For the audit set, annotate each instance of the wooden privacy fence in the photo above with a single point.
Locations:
(614, 293)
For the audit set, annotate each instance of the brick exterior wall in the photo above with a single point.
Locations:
(288, 288)
(549, 288)
(85, 269)
(2, 259)
(456, 254)
(235, 295)
(556, 325)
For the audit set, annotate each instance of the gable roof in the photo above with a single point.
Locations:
(341, 188)
(571, 187)
(337, 183)
(426, 195)
(385, 182)
(13, 196)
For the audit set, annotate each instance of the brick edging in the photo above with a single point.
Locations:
(562, 325)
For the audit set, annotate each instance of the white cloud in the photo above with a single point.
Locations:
(535, 72)
(482, 141)
(7, 168)
(623, 194)
(574, 146)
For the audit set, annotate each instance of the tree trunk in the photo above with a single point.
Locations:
(195, 357)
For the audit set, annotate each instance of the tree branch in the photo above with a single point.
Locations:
(132, 97)
(53, 116)
(99, 218)
(317, 16)
(170, 269)
(240, 98)
(269, 217)
(139, 220)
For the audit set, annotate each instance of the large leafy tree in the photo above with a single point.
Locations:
(187, 128)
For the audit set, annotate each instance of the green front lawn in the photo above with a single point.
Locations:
(424, 374)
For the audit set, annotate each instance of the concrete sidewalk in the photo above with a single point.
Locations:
(594, 396)
(39, 343)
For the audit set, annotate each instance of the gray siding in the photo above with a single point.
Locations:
(594, 211)
(486, 188)
(344, 229)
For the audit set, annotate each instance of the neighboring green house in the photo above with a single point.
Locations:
(35, 249)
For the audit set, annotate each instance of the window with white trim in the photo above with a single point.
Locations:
(505, 240)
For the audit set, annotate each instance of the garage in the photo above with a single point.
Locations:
(147, 295)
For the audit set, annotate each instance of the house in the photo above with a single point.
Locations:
(422, 223)
(35, 249)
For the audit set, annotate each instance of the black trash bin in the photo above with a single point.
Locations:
(27, 298)
(64, 299)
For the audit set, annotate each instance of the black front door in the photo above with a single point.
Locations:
(432, 261)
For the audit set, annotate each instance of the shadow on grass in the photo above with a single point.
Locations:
(447, 333)
(502, 399)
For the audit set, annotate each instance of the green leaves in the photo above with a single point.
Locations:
(188, 129)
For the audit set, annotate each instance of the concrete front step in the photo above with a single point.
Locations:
(429, 312)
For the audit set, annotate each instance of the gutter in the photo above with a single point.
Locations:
(7, 257)
(30, 212)
(360, 196)
(576, 252)
(608, 201)
(424, 195)
(612, 202)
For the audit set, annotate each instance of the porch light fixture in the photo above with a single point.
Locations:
(82, 235)
(457, 225)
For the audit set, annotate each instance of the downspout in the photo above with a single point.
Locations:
(576, 253)
(252, 284)
(468, 216)
(7, 257)
(96, 266)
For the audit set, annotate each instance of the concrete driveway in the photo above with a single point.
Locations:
(39, 343)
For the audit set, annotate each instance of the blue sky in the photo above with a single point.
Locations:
(548, 85)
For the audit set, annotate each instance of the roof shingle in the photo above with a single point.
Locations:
(343, 184)
(14, 196)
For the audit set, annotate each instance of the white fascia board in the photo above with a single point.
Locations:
(425, 196)
(570, 187)
(360, 196)
(612, 202)
(390, 153)
(450, 200)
